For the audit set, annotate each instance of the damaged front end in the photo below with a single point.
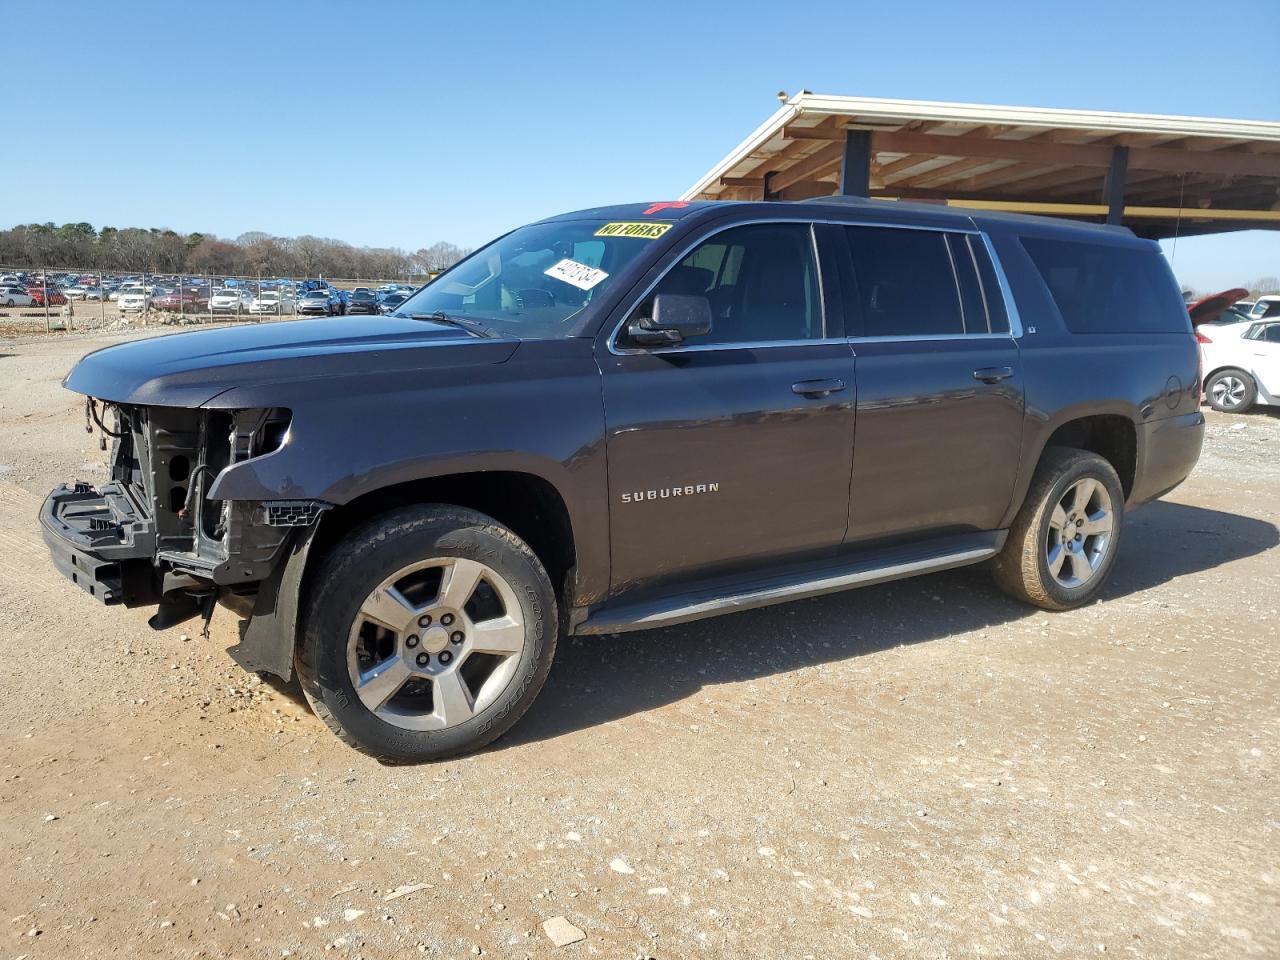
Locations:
(152, 535)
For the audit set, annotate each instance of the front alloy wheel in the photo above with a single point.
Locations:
(426, 633)
(435, 643)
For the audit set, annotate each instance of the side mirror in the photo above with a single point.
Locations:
(676, 317)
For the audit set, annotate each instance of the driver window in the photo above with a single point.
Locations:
(761, 281)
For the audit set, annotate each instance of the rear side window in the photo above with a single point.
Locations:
(905, 283)
(1105, 289)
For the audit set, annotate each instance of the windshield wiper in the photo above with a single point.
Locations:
(479, 329)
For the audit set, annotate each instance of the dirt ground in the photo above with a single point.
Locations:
(921, 769)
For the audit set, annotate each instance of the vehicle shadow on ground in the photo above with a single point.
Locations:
(599, 679)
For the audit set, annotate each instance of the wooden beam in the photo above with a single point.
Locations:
(1201, 161)
(822, 161)
(756, 182)
(1040, 152)
(830, 134)
(807, 189)
(1135, 212)
(1080, 154)
(948, 172)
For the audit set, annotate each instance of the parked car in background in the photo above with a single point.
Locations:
(57, 297)
(188, 301)
(1259, 308)
(267, 302)
(230, 300)
(1241, 362)
(13, 295)
(134, 301)
(75, 292)
(313, 302)
(94, 293)
(390, 301)
(362, 300)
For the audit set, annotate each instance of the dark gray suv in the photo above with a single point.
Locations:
(634, 416)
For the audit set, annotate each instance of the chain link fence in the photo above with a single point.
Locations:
(65, 299)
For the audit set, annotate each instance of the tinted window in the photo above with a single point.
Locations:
(1106, 289)
(905, 285)
(761, 280)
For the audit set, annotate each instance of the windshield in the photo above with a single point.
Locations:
(534, 282)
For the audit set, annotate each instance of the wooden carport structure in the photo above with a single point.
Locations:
(1160, 175)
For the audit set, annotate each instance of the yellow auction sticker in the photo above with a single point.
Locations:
(641, 231)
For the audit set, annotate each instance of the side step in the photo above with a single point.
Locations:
(709, 598)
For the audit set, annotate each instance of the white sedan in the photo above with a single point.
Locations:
(134, 301)
(1241, 364)
(16, 296)
(267, 302)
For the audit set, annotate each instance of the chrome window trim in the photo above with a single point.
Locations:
(1015, 331)
(982, 287)
(1006, 293)
(911, 338)
(955, 282)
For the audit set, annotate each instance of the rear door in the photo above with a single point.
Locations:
(732, 449)
(1264, 348)
(940, 388)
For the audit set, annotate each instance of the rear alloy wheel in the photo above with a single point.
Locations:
(1063, 541)
(1231, 391)
(429, 632)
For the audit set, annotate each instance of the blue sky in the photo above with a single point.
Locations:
(398, 123)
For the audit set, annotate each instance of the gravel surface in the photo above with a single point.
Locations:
(921, 769)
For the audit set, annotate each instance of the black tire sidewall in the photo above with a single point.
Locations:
(1250, 390)
(1098, 469)
(366, 558)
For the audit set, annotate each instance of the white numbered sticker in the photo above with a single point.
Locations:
(575, 273)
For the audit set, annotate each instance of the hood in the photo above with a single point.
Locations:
(191, 369)
(1210, 308)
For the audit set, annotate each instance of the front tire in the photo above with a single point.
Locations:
(1231, 391)
(427, 633)
(1063, 541)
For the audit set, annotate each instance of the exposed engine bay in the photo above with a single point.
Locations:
(155, 534)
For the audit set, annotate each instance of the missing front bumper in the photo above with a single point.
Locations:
(100, 542)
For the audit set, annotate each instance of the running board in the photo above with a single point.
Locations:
(709, 598)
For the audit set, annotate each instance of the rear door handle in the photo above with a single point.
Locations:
(992, 374)
(817, 388)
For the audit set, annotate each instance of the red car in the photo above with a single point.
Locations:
(56, 299)
(191, 301)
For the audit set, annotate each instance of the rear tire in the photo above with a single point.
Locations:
(427, 633)
(1063, 541)
(1231, 391)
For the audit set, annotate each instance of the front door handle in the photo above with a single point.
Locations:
(992, 374)
(817, 388)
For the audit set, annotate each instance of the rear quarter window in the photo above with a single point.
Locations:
(1099, 288)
